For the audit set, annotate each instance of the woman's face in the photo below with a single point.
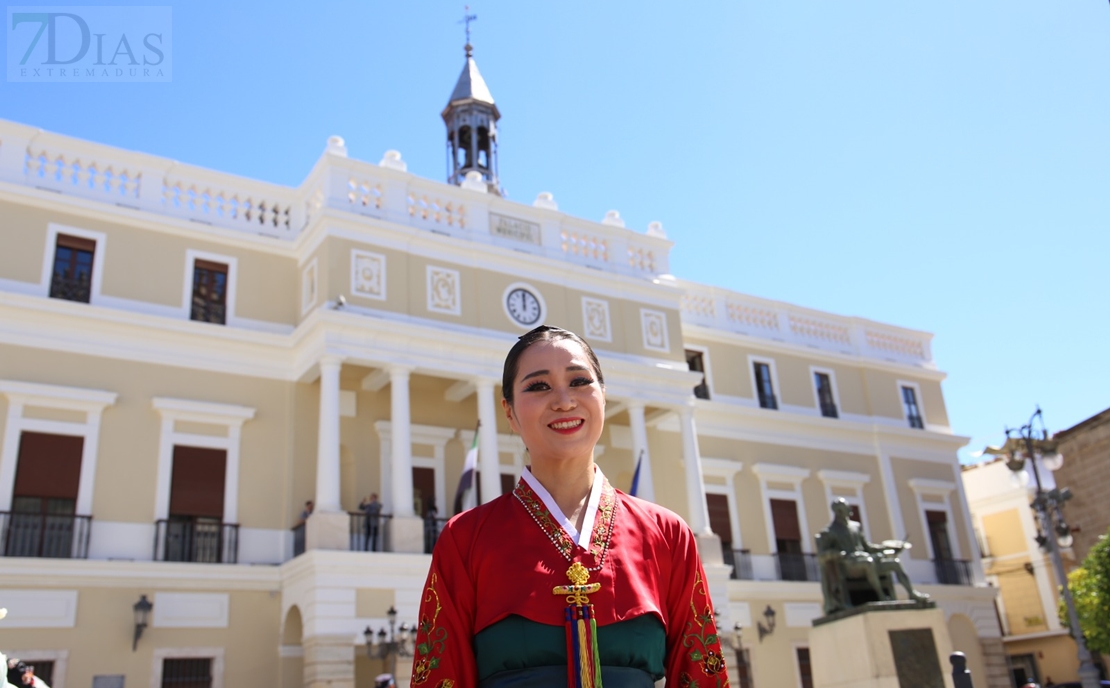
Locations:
(558, 404)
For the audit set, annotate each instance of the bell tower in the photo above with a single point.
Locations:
(471, 118)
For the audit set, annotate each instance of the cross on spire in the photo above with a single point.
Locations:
(467, 18)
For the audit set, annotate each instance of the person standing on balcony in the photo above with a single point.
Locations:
(565, 581)
(372, 508)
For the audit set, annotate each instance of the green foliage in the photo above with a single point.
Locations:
(1090, 587)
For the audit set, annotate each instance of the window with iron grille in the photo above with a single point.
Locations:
(764, 387)
(187, 673)
(73, 267)
(42, 669)
(805, 670)
(696, 362)
(913, 412)
(825, 395)
(209, 292)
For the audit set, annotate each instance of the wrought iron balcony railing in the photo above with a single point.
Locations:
(797, 567)
(201, 541)
(56, 536)
(367, 535)
(741, 562)
(953, 571)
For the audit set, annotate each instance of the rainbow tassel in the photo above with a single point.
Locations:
(584, 670)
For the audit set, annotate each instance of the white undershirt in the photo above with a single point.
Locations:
(583, 538)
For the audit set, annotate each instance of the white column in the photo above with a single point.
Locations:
(489, 459)
(646, 489)
(401, 430)
(695, 486)
(327, 447)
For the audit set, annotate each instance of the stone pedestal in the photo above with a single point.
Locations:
(328, 530)
(329, 661)
(404, 534)
(882, 645)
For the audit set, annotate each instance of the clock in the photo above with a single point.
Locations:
(523, 306)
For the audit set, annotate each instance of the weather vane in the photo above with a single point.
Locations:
(467, 18)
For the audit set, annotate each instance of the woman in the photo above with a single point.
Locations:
(565, 581)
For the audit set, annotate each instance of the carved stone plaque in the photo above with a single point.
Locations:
(915, 658)
(515, 229)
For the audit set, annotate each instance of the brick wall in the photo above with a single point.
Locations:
(1086, 470)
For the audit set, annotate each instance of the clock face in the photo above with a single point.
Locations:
(523, 306)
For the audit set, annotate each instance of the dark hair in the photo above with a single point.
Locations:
(543, 333)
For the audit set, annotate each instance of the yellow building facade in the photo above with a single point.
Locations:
(1038, 647)
(188, 357)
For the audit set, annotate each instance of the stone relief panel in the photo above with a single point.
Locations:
(654, 327)
(443, 291)
(308, 287)
(368, 274)
(595, 316)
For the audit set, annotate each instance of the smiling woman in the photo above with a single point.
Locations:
(565, 581)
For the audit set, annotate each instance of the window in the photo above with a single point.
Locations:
(209, 303)
(788, 540)
(44, 500)
(72, 274)
(187, 673)
(805, 671)
(825, 398)
(764, 387)
(938, 534)
(43, 669)
(743, 669)
(696, 362)
(909, 404)
(194, 530)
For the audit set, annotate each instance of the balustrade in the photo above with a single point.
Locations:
(52, 536)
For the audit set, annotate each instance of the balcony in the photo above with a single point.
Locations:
(367, 537)
(201, 541)
(741, 562)
(953, 571)
(796, 567)
(52, 536)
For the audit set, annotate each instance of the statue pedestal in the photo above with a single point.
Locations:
(881, 645)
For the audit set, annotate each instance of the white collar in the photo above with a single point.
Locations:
(583, 538)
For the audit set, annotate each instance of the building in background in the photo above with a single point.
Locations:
(187, 357)
(1039, 648)
(1086, 470)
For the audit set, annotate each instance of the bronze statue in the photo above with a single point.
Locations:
(850, 564)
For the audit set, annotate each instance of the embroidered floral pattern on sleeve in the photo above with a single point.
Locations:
(702, 641)
(603, 523)
(431, 638)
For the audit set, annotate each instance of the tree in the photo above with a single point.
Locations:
(1090, 588)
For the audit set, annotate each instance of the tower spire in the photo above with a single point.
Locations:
(471, 117)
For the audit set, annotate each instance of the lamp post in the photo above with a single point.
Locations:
(1030, 443)
(397, 643)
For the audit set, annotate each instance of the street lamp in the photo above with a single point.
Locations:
(397, 643)
(1037, 445)
(142, 614)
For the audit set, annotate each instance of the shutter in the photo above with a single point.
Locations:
(197, 487)
(719, 521)
(784, 515)
(49, 466)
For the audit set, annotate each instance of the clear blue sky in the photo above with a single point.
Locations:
(941, 165)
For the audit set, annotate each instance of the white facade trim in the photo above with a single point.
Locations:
(776, 390)
(59, 657)
(653, 329)
(813, 370)
(444, 290)
(310, 286)
(368, 275)
(708, 373)
(216, 654)
(230, 416)
(20, 395)
(596, 324)
(936, 488)
(768, 472)
(727, 469)
(232, 263)
(52, 231)
(848, 480)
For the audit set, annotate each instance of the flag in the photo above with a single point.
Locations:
(636, 475)
(465, 495)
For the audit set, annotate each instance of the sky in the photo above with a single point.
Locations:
(941, 166)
